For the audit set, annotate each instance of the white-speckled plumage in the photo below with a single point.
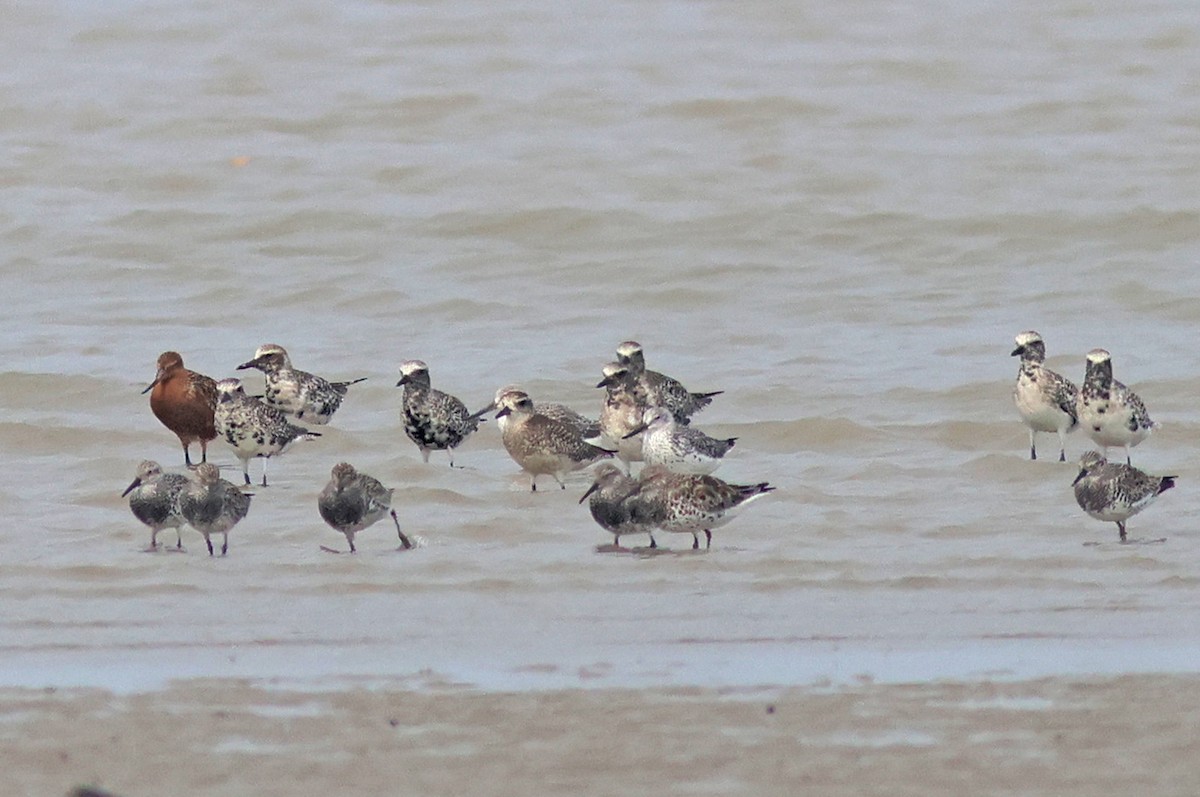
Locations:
(154, 500)
(621, 413)
(541, 444)
(434, 420)
(1111, 413)
(252, 428)
(212, 505)
(688, 504)
(661, 390)
(352, 501)
(682, 449)
(1115, 492)
(1047, 401)
(306, 397)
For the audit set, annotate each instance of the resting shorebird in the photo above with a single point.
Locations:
(622, 411)
(682, 449)
(212, 505)
(1047, 401)
(542, 445)
(688, 504)
(434, 420)
(1115, 492)
(305, 396)
(613, 503)
(154, 500)
(184, 401)
(1111, 414)
(660, 389)
(253, 428)
(351, 501)
(586, 427)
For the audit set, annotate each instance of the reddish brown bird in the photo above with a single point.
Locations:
(184, 401)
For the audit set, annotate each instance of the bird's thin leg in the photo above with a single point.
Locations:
(1032, 446)
(404, 541)
(187, 457)
(225, 543)
(264, 471)
(695, 542)
(707, 539)
(208, 541)
(1121, 528)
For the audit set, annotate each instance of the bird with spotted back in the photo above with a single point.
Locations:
(683, 449)
(1115, 492)
(1046, 400)
(661, 390)
(306, 397)
(212, 505)
(690, 504)
(252, 428)
(185, 402)
(434, 420)
(1111, 413)
(541, 444)
(613, 502)
(154, 500)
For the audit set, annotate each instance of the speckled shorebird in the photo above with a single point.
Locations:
(434, 420)
(682, 449)
(1115, 492)
(586, 427)
(614, 503)
(542, 445)
(622, 411)
(351, 501)
(154, 500)
(1046, 400)
(1111, 414)
(184, 401)
(305, 396)
(660, 389)
(688, 504)
(253, 428)
(212, 505)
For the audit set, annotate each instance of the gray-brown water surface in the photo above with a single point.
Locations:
(838, 213)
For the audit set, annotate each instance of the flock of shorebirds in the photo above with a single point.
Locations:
(644, 418)
(1110, 414)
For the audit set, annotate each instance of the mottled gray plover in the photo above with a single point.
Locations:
(688, 504)
(1114, 492)
(542, 445)
(1111, 414)
(305, 396)
(660, 389)
(682, 449)
(154, 500)
(184, 401)
(351, 501)
(621, 413)
(253, 428)
(434, 420)
(212, 505)
(1046, 400)
(614, 503)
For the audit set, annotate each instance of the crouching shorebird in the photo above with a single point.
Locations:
(252, 428)
(184, 402)
(1114, 492)
(542, 445)
(1046, 400)
(682, 449)
(660, 389)
(434, 420)
(690, 504)
(351, 501)
(154, 500)
(305, 396)
(212, 505)
(1111, 414)
(614, 504)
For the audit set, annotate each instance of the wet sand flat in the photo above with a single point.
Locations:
(1060, 737)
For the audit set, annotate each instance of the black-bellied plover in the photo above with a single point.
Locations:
(682, 449)
(614, 503)
(1111, 414)
(621, 413)
(1114, 492)
(184, 401)
(434, 420)
(586, 427)
(542, 445)
(307, 397)
(154, 500)
(351, 501)
(212, 505)
(688, 504)
(660, 389)
(1046, 400)
(253, 428)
